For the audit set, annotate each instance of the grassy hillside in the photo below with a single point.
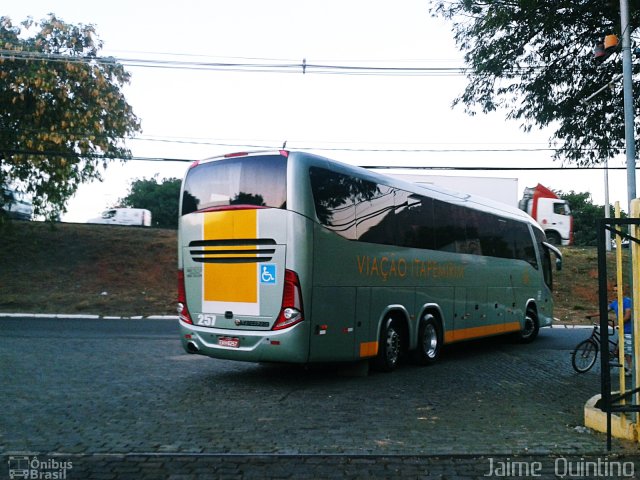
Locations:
(576, 286)
(81, 268)
(112, 270)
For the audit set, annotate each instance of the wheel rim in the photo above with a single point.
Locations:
(529, 327)
(430, 341)
(393, 346)
(585, 356)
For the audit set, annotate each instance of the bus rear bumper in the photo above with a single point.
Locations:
(290, 345)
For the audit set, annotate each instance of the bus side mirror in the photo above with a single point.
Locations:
(556, 252)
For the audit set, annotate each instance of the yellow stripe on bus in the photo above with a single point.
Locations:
(231, 282)
(477, 332)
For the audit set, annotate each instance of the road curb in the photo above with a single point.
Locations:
(596, 419)
(66, 316)
(570, 325)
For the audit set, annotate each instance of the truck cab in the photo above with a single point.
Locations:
(551, 212)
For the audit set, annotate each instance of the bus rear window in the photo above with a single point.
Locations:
(258, 180)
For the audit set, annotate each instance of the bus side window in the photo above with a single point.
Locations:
(450, 227)
(525, 249)
(545, 258)
(415, 221)
(403, 204)
(336, 195)
(375, 217)
(473, 224)
(491, 242)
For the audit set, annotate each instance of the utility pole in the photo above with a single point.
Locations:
(630, 143)
(629, 130)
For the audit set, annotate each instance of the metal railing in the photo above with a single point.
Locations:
(625, 401)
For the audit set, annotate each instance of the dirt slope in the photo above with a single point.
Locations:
(111, 270)
(80, 268)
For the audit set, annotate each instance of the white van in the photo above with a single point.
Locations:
(17, 205)
(124, 216)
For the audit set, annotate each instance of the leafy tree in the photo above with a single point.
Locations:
(535, 59)
(585, 217)
(161, 198)
(63, 116)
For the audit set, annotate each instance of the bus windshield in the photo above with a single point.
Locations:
(259, 181)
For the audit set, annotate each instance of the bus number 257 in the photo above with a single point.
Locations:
(206, 320)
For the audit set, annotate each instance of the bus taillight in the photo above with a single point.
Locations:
(183, 311)
(291, 310)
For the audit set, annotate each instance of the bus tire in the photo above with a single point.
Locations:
(530, 328)
(390, 346)
(429, 341)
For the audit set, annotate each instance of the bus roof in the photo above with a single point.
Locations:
(440, 193)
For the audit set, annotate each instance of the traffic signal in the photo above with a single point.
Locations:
(610, 43)
(605, 47)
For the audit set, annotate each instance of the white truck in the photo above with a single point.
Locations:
(551, 212)
(124, 216)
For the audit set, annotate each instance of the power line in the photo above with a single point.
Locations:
(485, 169)
(263, 66)
(296, 145)
(302, 145)
(400, 167)
(267, 66)
(351, 149)
(274, 146)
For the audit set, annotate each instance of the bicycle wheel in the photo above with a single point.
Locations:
(584, 356)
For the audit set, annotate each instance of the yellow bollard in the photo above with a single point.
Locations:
(620, 319)
(635, 251)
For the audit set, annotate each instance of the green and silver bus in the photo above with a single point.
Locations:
(291, 257)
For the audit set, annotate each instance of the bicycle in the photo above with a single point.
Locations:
(584, 356)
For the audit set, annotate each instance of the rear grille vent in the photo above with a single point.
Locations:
(251, 250)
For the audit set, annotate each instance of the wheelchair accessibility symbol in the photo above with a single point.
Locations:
(268, 274)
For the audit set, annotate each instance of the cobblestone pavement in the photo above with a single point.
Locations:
(119, 399)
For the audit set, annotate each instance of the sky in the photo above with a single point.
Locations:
(384, 120)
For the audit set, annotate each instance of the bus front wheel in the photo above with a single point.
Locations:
(530, 329)
(429, 341)
(390, 346)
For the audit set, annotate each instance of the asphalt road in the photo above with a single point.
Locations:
(120, 399)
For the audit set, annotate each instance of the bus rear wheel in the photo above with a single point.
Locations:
(390, 346)
(429, 341)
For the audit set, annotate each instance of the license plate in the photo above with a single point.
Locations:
(232, 342)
